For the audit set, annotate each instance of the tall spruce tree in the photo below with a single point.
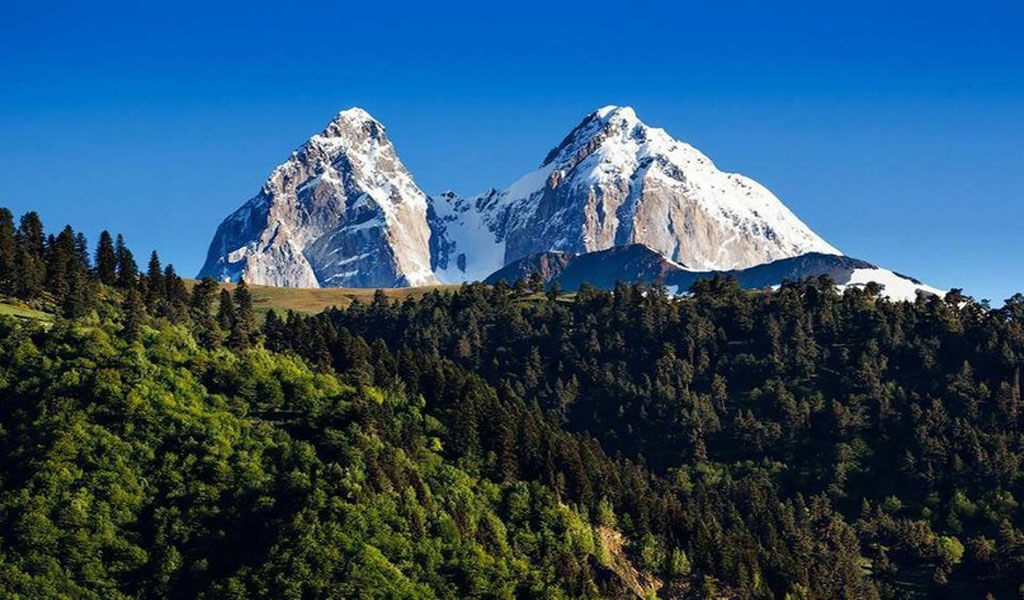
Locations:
(31, 235)
(134, 314)
(60, 262)
(174, 287)
(154, 282)
(106, 259)
(8, 252)
(201, 307)
(127, 269)
(226, 311)
(243, 329)
(81, 252)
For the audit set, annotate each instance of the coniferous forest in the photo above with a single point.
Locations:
(160, 438)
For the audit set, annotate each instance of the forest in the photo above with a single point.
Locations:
(160, 438)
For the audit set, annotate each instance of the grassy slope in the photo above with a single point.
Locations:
(24, 312)
(307, 300)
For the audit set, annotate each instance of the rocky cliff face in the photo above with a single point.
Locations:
(342, 211)
(615, 181)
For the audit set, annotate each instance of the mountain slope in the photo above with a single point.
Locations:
(341, 211)
(615, 181)
(638, 264)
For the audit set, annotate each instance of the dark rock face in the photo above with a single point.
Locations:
(548, 264)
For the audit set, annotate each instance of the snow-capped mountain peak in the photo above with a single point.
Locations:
(614, 180)
(342, 210)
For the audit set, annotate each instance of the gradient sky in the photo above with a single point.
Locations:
(894, 129)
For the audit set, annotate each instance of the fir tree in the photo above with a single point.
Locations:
(78, 298)
(127, 269)
(201, 308)
(174, 287)
(154, 282)
(243, 328)
(134, 314)
(81, 252)
(106, 259)
(226, 311)
(8, 252)
(31, 234)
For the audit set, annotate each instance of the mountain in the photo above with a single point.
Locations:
(342, 211)
(615, 200)
(615, 181)
(637, 263)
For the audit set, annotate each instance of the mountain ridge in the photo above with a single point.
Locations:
(343, 211)
(614, 180)
(637, 263)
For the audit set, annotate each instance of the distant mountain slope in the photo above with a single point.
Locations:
(638, 264)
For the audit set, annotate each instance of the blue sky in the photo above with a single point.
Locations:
(893, 129)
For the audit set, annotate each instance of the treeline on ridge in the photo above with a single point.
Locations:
(494, 442)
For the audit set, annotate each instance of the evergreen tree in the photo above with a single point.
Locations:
(81, 252)
(31, 235)
(8, 252)
(174, 288)
(535, 282)
(554, 289)
(134, 314)
(106, 259)
(154, 283)
(201, 308)
(78, 298)
(60, 262)
(127, 269)
(226, 311)
(243, 327)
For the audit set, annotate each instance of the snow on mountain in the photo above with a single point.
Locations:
(616, 199)
(342, 211)
(613, 181)
(894, 286)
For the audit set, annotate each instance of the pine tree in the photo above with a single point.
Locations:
(60, 261)
(127, 269)
(81, 252)
(78, 298)
(134, 314)
(174, 287)
(31, 234)
(154, 282)
(535, 282)
(201, 307)
(226, 311)
(106, 259)
(243, 328)
(554, 289)
(8, 252)
(29, 274)
(203, 295)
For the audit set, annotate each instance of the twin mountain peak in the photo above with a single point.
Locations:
(343, 211)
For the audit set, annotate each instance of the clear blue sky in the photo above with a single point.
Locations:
(894, 129)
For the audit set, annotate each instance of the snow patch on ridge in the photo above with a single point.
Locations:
(894, 287)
